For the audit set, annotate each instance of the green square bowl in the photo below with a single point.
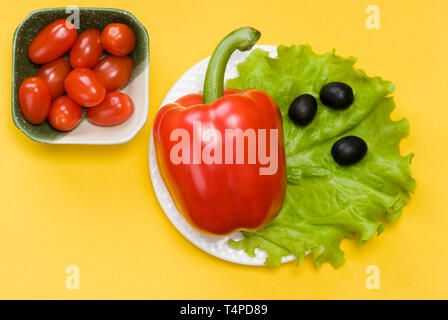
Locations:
(136, 88)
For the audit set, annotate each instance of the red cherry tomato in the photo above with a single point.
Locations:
(34, 99)
(118, 39)
(54, 74)
(65, 114)
(116, 108)
(52, 41)
(87, 50)
(85, 87)
(115, 71)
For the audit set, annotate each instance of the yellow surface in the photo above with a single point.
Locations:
(94, 207)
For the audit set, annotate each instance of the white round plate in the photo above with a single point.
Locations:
(192, 82)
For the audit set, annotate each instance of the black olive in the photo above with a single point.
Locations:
(337, 95)
(303, 109)
(349, 150)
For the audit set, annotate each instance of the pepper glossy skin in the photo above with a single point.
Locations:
(218, 199)
(228, 192)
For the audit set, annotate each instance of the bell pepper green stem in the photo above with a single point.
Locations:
(242, 39)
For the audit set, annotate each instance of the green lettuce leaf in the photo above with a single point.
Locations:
(326, 202)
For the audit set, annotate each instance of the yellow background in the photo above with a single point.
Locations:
(93, 206)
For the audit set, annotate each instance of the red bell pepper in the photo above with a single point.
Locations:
(221, 155)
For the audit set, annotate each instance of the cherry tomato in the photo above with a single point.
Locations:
(118, 39)
(54, 74)
(52, 41)
(34, 99)
(87, 50)
(65, 114)
(116, 108)
(85, 87)
(115, 71)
